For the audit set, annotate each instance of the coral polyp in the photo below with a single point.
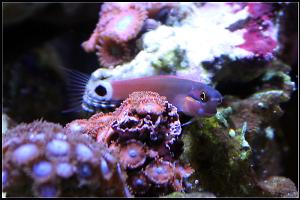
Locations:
(40, 160)
(116, 27)
(111, 52)
(120, 24)
(160, 172)
(132, 154)
(126, 24)
(138, 184)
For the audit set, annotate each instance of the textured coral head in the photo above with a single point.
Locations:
(148, 117)
(145, 103)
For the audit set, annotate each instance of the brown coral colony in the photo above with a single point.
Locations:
(141, 132)
(118, 26)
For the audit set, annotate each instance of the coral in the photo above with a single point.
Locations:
(145, 133)
(111, 52)
(120, 24)
(78, 126)
(97, 123)
(159, 172)
(241, 151)
(139, 183)
(126, 24)
(39, 159)
(132, 154)
(147, 117)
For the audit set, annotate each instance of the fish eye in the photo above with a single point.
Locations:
(100, 90)
(203, 97)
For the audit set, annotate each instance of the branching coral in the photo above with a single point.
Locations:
(39, 159)
(143, 130)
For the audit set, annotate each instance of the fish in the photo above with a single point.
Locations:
(190, 97)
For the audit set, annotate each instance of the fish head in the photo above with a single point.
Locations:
(202, 101)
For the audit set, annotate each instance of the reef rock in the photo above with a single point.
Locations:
(201, 41)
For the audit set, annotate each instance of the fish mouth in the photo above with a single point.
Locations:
(218, 100)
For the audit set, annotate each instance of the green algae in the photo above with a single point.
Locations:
(168, 62)
(221, 161)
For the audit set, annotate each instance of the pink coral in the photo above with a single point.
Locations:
(126, 24)
(112, 53)
(132, 154)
